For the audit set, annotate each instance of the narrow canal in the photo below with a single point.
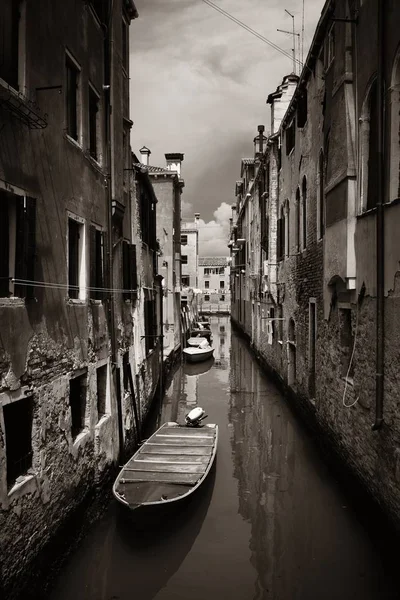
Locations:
(271, 522)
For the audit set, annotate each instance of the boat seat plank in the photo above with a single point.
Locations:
(177, 478)
(167, 441)
(165, 468)
(172, 459)
(187, 432)
(177, 450)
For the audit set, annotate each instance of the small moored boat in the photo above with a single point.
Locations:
(196, 340)
(199, 354)
(170, 465)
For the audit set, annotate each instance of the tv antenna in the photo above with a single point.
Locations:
(294, 34)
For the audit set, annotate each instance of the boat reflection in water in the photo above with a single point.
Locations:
(198, 368)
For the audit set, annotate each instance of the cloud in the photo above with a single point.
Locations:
(214, 234)
(199, 84)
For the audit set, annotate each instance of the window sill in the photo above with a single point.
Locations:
(81, 437)
(280, 342)
(23, 486)
(95, 301)
(12, 301)
(76, 301)
(72, 141)
(103, 419)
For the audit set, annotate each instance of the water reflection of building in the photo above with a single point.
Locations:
(279, 492)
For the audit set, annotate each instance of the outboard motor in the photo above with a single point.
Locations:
(195, 417)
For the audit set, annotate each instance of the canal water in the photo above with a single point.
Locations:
(270, 523)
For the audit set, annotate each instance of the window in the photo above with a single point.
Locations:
(125, 45)
(101, 376)
(329, 53)
(222, 298)
(150, 320)
(129, 271)
(207, 284)
(125, 372)
(17, 245)
(302, 109)
(271, 325)
(281, 235)
(71, 97)
(98, 6)
(221, 285)
(304, 212)
(18, 420)
(346, 342)
(185, 280)
(12, 46)
(394, 185)
(280, 323)
(93, 123)
(184, 240)
(312, 325)
(290, 137)
(76, 259)
(184, 259)
(222, 328)
(321, 195)
(207, 298)
(96, 263)
(298, 219)
(207, 271)
(222, 341)
(77, 403)
(287, 227)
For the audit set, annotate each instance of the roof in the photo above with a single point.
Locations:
(213, 261)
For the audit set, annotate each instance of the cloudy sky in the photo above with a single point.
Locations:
(199, 84)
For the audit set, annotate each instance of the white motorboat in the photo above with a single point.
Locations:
(196, 340)
(203, 352)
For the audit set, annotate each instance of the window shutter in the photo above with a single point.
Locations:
(30, 244)
(93, 266)
(133, 271)
(126, 270)
(20, 249)
(100, 263)
(279, 235)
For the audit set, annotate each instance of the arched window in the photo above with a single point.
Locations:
(304, 212)
(297, 230)
(394, 181)
(287, 228)
(368, 149)
(321, 195)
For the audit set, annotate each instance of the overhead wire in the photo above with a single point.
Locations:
(252, 31)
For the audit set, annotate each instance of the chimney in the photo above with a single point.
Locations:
(196, 219)
(280, 100)
(145, 155)
(174, 161)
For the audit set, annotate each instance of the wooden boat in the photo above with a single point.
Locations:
(199, 354)
(207, 333)
(168, 467)
(196, 340)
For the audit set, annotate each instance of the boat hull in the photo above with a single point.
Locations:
(198, 356)
(168, 468)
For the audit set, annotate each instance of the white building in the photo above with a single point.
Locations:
(213, 281)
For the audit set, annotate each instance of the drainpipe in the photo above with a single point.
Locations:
(380, 250)
(115, 372)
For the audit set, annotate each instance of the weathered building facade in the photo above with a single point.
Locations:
(214, 283)
(168, 186)
(326, 301)
(73, 254)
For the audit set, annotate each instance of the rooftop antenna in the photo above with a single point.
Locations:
(294, 34)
